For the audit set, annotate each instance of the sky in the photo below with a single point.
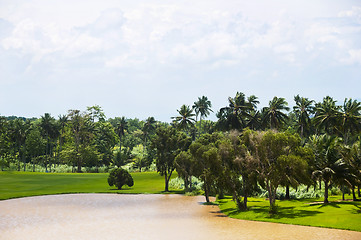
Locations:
(144, 58)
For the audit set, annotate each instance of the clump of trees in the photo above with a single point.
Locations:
(168, 142)
(271, 147)
(120, 177)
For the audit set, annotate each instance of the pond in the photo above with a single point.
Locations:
(121, 216)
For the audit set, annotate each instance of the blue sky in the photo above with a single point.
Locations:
(147, 58)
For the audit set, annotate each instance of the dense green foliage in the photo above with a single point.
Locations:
(120, 177)
(79, 139)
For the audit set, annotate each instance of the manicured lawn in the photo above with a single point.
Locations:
(22, 184)
(309, 212)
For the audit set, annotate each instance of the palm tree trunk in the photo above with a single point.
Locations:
(358, 190)
(120, 143)
(326, 192)
(24, 160)
(33, 164)
(19, 159)
(46, 154)
(200, 124)
(50, 157)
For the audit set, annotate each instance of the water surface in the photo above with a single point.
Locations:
(117, 216)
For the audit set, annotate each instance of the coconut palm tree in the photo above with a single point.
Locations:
(148, 128)
(62, 121)
(327, 115)
(235, 115)
(329, 166)
(253, 101)
(121, 127)
(18, 132)
(185, 120)
(196, 107)
(303, 109)
(350, 118)
(202, 107)
(352, 156)
(50, 131)
(82, 131)
(254, 120)
(273, 114)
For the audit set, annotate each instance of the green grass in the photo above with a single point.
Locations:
(337, 214)
(24, 184)
(308, 212)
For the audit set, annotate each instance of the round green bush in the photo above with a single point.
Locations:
(120, 177)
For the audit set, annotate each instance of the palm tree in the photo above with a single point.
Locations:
(350, 118)
(329, 167)
(327, 115)
(303, 109)
(254, 120)
(82, 131)
(121, 127)
(202, 107)
(235, 115)
(352, 156)
(253, 101)
(185, 120)
(196, 107)
(19, 130)
(273, 114)
(148, 128)
(62, 121)
(48, 125)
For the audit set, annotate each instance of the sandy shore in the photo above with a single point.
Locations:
(112, 216)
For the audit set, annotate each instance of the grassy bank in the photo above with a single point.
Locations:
(23, 184)
(308, 212)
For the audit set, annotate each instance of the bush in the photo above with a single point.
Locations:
(178, 183)
(302, 192)
(120, 177)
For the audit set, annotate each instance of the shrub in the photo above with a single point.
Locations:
(120, 177)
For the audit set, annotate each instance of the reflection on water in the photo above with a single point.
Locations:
(111, 216)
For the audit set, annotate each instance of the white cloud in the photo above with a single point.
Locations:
(355, 12)
(256, 46)
(354, 57)
(174, 35)
(125, 61)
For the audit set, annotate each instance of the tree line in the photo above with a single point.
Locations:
(80, 139)
(244, 149)
(317, 143)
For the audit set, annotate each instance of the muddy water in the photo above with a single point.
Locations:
(108, 216)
